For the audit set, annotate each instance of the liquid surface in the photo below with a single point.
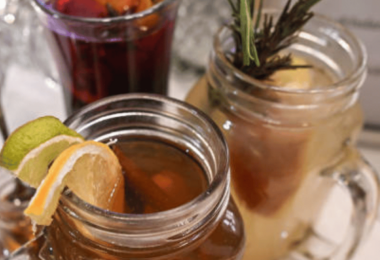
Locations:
(100, 8)
(158, 176)
(316, 77)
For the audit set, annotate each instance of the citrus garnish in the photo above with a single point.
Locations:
(91, 170)
(31, 148)
(294, 79)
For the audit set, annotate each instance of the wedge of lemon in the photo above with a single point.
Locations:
(294, 79)
(31, 148)
(91, 170)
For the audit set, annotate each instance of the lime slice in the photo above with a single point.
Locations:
(91, 170)
(31, 148)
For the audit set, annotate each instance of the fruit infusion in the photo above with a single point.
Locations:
(98, 59)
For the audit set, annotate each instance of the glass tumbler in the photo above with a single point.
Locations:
(289, 146)
(191, 231)
(100, 57)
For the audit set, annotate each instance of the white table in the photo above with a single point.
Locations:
(28, 95)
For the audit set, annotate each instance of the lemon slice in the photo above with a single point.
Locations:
(31, 148)
(91, 170)
(294, 79)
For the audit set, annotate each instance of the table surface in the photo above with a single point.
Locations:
(23, 101)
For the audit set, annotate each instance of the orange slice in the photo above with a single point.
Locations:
(91, 170)
(148, 21)
(121, 6)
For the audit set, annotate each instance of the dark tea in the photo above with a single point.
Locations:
(105, 48)
(174, 203)
(158, 177)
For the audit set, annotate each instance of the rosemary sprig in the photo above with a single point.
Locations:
(257, 49)
(111, 11)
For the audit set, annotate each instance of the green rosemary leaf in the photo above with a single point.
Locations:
(258, 18)
(245, 31)
(111, 11)
(258, 48)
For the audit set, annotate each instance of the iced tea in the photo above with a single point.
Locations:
(286, 135)
(276, 169)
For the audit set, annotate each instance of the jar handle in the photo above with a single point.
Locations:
(361, 181)
(30, 250)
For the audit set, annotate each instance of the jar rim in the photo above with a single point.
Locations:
(337, 86)
(112, 220)
(107, 20)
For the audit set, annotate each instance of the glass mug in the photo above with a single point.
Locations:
(289, 147)
(15, 228)
(100, 57)
(191, 231)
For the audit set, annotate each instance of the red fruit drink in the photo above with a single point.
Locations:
(109, 47)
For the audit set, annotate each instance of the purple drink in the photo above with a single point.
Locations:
(98, 55)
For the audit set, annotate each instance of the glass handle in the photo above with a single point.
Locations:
(363, 185)
(31, 250)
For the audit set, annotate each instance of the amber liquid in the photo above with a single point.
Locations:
(181, 179)
(276, 170)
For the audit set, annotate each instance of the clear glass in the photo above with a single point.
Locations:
(19, 103)
(290, 146)
(24, 53)
(191, 231)
(15, 228)
(197, 20)
(100, 57)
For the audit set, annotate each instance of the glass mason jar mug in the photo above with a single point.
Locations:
(190, 231)
(289, 145)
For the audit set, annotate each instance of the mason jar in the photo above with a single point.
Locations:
(290, 145)
(207, 227)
